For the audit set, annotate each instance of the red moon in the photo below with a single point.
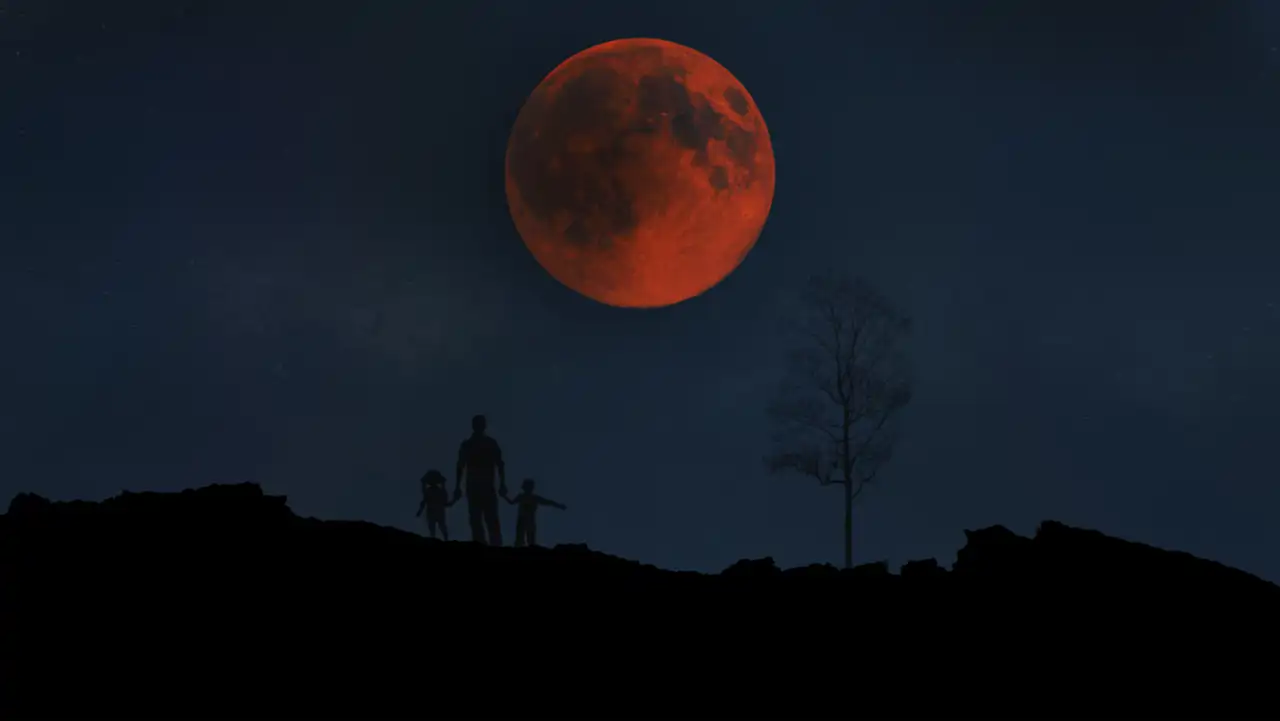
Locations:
(639, 173)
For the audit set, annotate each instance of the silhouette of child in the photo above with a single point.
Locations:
(526, 503)
(434, 500)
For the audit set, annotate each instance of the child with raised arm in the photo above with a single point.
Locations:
(526, 503)
(434, 500)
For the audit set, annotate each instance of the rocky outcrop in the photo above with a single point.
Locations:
(220, 601)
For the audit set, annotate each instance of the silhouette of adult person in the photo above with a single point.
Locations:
(480, 458)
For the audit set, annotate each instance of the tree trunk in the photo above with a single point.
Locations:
(848, 524)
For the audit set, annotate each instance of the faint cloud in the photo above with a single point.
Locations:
(413, 319)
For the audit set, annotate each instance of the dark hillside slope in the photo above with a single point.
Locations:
(220, 602)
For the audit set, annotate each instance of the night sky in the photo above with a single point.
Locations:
(268, 241)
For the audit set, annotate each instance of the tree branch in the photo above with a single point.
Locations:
(858, 492)
(834, 414)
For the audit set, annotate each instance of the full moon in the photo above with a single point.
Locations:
(639, 173)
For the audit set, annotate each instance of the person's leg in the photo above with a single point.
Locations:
(520, 530)
(491, 519)
(431, 527)
(444, 528)
(476, 513)
(532, 530)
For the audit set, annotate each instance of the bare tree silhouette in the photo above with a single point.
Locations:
(845, 384)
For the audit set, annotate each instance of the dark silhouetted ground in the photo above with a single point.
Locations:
(221, 602)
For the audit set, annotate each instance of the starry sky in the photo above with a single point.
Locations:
(247, 241)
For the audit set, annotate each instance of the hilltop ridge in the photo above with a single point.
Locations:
(220, 601)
